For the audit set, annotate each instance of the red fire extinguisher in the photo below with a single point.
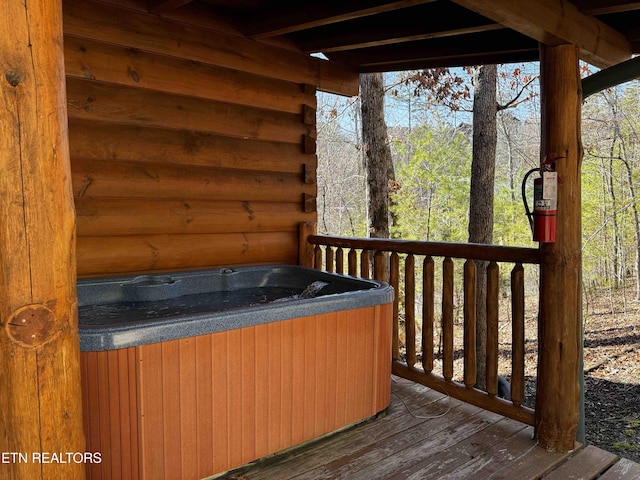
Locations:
(545, 202)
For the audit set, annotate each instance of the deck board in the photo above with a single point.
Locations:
(449, 459)
(498, 458)
(427, 435)
(413, 451)
(623, 469)
(585, 464)
(334, 447)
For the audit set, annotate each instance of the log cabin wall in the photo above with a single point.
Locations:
(189, 148)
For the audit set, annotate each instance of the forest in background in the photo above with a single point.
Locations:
(431, 143)
(430, 139)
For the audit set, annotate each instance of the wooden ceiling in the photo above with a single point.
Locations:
(391, 35)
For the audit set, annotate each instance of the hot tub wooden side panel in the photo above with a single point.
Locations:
(198, 406)
(110, 412)
(382, 355)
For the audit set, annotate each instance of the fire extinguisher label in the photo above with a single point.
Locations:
(550, 189)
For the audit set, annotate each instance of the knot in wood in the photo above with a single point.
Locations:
(13, 78)
(31, 326)
(135, 76)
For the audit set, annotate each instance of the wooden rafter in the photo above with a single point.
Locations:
(337, 44)
(453, 61)
(163, 6)
(476, 49)
(556, 22)
(294, 19)
(603, 7)
(400, 26)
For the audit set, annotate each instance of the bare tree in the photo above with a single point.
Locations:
(340, 176)
(483, 165)
(377, 155)
(447, 88)
(624, 157)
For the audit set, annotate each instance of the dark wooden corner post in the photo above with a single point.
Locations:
(305, 249)
(558, 390)
(40, 396)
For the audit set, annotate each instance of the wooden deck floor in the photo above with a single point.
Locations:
(426, 435)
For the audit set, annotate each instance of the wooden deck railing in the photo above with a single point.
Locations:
(395, 261)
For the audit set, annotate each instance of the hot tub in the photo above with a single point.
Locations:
(186, 375)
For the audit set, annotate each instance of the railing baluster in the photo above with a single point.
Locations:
(339, 260)
(353, 262)
(317, 257)
(470, 367)
(386, 254)
(379, 264)
(517, 319)
(428, 292)
(493, 294)
(329, 260)
(365, 258)
(394, 280)
(447, 319)
(409, 309)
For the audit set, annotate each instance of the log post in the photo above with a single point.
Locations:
(40, 397)
(558, 390)
(305, 249)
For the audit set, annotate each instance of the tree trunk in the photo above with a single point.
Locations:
(483, 164)
(377, 155)
(618, 262)
(636, 221)
(632, 193)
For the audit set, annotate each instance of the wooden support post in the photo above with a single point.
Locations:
(305, 249)
(558, 390)
(40, 396)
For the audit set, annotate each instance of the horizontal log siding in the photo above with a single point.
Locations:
(91, 59)
(92, 100)
(142, 253)
(183, 154)
(182, 38)
(100, 140)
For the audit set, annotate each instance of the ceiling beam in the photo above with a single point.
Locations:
(357, 40)
(474, 49)
(453, 61)
(603, 7)
(160, 7)
(556, 22)
(610, 77)
(400, 26)
(296, 18)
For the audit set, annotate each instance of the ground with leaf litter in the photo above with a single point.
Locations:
(611, 366)
(612, 371)
(611, 363)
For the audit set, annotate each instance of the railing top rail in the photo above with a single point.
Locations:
(474, 251)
